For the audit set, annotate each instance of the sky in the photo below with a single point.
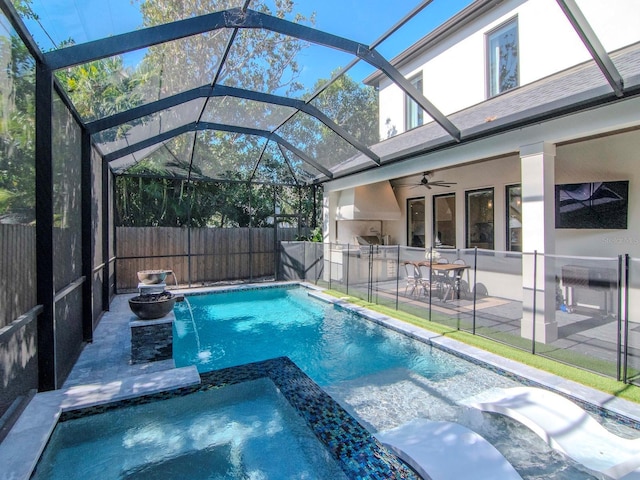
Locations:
(360, 20)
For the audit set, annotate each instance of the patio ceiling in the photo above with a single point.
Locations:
(205, 110)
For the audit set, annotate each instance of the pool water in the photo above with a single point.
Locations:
(382, 377)
(241, 431)
(328, 343)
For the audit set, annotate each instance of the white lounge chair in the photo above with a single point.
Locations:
(447, 450)
(566, 427)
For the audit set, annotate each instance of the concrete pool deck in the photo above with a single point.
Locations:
(103, 373)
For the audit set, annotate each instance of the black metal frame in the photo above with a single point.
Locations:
(44, 227)
(593, 44)
(240, 18)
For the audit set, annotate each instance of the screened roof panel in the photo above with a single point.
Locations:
(625, 19)
(316, 140)
(352, 18)
(257, 72)
(147, 127)
(274, 167)
(303, 171)
(169, 159)
(162, 70)
(226, 155)
(88, 20)
(245, 113)
(353, 107)
(184, 64)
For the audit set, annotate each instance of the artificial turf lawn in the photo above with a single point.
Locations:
(599, 382)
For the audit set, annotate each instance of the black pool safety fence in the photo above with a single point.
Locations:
(580, 311)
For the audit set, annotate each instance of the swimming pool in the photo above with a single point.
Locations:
(381, 377)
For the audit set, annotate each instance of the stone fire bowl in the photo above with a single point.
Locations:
(152, 277)
(152, 305)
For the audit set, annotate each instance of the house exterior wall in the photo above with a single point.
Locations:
(608, 158)
(592, 144)
(455, 73)
(605, 158)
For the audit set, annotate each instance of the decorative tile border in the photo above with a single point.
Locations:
(357, 452)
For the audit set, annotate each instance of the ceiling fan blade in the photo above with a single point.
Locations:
(442, 183)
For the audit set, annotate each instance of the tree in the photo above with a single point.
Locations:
(259, 60)
(17, 128)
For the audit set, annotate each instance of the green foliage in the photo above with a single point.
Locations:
(314, 236)
(177, 202)
(17, 130)
(102, 88)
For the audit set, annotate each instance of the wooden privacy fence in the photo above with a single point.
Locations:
(198, 255)
(17, 271)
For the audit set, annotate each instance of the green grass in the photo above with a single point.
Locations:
(599, 382)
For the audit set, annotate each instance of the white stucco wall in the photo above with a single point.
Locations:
(454, 72)
(607, 158)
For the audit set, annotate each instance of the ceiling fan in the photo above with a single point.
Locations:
(425, 182)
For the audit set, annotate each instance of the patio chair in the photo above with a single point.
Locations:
(412, 277)
(445, 450)
(461, 287)
(441, 279)
(429, 280)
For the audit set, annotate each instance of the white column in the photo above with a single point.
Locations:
(538, 235)
(329, 234)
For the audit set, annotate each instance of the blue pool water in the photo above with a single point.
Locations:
(241, 431)
(331, 345)
(381, 377)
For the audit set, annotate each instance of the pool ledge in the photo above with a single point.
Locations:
(21, 449)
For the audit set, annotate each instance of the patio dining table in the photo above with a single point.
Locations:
(453, 272)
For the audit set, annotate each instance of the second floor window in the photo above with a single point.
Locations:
(502, 46)
(414, 114)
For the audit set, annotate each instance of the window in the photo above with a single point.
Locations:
(414, 114)
(415, 222)
(514, 218)
(444, 220)
(502, 48)
(480, 219)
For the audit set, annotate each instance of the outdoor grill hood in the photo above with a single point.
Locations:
(371, 202)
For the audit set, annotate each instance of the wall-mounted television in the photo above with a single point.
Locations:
(592, 205)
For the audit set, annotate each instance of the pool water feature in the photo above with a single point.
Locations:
(381, 377)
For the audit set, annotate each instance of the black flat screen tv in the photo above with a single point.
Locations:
(592, 205)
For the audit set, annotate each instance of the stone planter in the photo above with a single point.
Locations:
(152, 305)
